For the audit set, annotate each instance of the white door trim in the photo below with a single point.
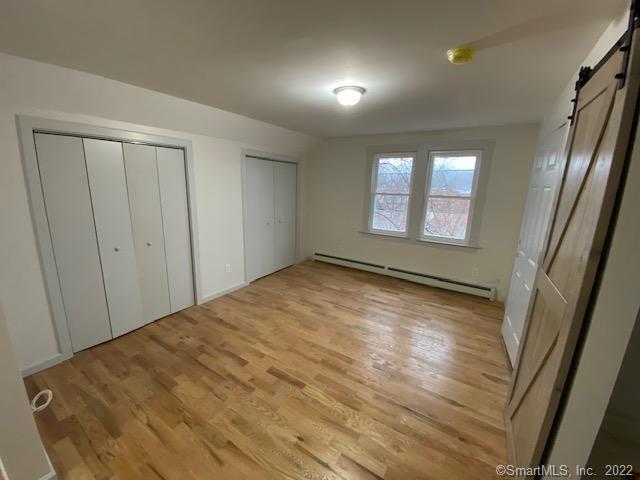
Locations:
(27, 126)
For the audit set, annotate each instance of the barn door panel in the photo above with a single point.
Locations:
(595, 156)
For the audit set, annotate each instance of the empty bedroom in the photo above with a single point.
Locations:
(319, 240)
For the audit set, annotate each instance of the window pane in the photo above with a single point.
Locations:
(452, 175)
(447, 217)
(390, 212)
(394, 175)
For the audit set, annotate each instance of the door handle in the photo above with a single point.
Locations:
(116, 249)
(149, 244)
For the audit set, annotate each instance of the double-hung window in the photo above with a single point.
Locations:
(391, 193)
(429, 194)
(451, 188)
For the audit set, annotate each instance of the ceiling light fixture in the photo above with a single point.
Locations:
(349, 96)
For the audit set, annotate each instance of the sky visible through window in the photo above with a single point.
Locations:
(392, 189)
(449, 196)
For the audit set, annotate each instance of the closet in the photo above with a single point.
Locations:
(119, 223)
(270, 209)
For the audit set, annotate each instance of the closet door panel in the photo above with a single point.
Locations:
(285, 213)
(267, 194)
(105, 168)
(175, 214)
(252, 220)
(66, 192)
(146, 221)
(259, 218)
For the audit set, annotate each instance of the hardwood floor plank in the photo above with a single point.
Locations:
(314, 372)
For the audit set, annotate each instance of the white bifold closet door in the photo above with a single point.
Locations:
(175, 216)
(108, 184)
(148, 236)
(269, 216)
(259, 218)
(285, 197)
(63, 176)
(118, 218)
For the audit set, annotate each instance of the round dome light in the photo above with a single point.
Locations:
(349, 96)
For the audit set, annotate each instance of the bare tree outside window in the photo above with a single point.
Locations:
(450, 194)
(392, 189)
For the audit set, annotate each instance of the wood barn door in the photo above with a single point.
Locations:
(594, 160)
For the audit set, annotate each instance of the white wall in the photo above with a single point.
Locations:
(336, 173)
(38, 89)
(562, 106)
(21, 452)
(618, 440)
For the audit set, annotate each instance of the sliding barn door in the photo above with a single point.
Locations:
(598, 142)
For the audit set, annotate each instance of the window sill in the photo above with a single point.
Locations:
(401, 236)
(448, 244)
(406, 238)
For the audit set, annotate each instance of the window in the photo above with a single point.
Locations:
(391, 192)
(428, 192)
(452, 179)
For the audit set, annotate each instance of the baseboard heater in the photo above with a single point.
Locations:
(417, 277)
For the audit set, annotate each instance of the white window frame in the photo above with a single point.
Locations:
(472, 197)
(373, 191)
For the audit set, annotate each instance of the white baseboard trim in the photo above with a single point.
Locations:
(49, 476)
(52, 475)
(60, 357)
(3, 471)
(224, 291)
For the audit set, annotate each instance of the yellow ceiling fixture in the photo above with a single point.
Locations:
(459, 56)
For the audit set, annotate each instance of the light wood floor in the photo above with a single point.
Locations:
(315, 372)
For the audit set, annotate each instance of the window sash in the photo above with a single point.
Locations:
(463, 197)
(374, 190)
(471, 197)
(387, 194)
(431, 208)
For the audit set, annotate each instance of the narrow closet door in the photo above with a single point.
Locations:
(285, 213)
(259, 218)
(146, 221)
(107, 182)
(66, 194)
(175, 214)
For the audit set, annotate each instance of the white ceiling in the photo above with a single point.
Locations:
(279, 60)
